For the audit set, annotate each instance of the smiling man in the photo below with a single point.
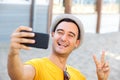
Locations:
(67, 35)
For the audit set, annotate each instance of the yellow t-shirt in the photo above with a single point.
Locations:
(47, 70)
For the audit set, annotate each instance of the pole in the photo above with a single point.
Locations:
(119, 15)
(99, 5)
(32, 13)
(50, 8)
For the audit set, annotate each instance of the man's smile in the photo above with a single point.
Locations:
(62, 44)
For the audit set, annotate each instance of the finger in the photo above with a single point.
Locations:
(19, 46)
(96, 61)
(106, 69)
(22, 40)
(25, 47)
(23, 34)
(23, 28)
(106, 65)
(103, 57)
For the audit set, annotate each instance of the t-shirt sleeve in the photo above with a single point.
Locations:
(34, 63)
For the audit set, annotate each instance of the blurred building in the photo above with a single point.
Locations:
(14, 13)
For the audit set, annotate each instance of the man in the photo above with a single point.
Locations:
(67, 35)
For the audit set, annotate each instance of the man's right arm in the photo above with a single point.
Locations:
(16, 69)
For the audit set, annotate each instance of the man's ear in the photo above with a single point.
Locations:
(77, 43)
(52, 34)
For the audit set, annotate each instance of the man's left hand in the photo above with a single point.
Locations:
(102, 67)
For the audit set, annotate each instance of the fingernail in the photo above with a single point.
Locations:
(32, 34)
(33, 41)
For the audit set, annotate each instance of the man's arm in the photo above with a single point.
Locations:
(102, 67)
(16, 69)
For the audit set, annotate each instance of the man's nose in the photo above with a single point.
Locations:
(64, 37)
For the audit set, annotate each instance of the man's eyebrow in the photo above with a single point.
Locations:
(60, 30)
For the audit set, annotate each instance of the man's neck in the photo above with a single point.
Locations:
(60, 61)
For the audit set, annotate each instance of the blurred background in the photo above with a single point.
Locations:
(101, 20)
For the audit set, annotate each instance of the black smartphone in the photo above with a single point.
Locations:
(41, 40)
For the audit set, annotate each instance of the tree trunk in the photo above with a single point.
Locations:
(68, 4)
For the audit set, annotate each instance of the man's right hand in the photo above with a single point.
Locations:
(16, 69)
(18, 37)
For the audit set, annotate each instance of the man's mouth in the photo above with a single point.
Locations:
(62, 44)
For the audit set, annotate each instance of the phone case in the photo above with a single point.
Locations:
(41, 40)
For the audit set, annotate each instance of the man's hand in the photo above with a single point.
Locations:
(17, 38)
(102, 67)
(16, 69)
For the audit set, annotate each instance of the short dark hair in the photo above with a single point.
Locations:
(68, 20)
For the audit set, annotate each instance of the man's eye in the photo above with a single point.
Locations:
(70, 35)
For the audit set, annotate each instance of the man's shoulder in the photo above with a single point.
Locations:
(36, 60)
(70, 68)
(74, 71)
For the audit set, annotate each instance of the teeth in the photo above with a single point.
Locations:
(62, 44)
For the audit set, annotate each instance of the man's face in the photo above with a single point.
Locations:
(65, 38)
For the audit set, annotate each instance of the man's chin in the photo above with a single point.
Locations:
(61, 52)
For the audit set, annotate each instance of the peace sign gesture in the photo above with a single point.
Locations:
(102, 67)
